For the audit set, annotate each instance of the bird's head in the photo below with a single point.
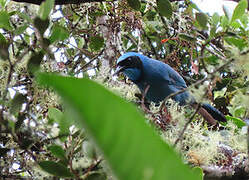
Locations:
(131, 65)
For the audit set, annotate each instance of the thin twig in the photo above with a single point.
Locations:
(186, 125)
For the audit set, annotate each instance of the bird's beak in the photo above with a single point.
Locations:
(118, 70)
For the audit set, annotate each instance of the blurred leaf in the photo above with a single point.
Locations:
(224, 22)
(2, 39)
(164, 8)
(55, 169)
(215, 19)
(202, 20)
(96, 42)
(25, 143)
(56, 115)
(20, 119)
(34, 62)
(3, 151)
(135, 4)
(59, 33)
(239, 43)
(20, 29)
(24, 16)
(4, 48)
(96, 176)
(89, 150)
(5, 20)
(3, 3)
(235, 24)
(41, 25)
(58, 152)
(238, 122)
(16, 103)
(240, 9)
(187, 37)
(109, 130)
(199, 171)
(239, 111)
(45, 9)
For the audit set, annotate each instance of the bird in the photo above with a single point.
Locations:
(157, 80)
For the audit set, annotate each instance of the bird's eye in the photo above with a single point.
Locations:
(129, 59)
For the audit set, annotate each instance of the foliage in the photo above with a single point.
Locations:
(38, 134)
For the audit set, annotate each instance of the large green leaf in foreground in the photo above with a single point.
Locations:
(132, 148)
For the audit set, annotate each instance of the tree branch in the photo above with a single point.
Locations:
(59, 2)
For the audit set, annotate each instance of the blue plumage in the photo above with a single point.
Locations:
(161, 79)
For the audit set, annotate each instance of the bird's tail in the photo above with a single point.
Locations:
(215, 113)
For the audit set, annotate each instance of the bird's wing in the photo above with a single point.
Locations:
(166, 73)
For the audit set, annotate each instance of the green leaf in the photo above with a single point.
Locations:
(240, 111)
(238, 122)
(187, 37)
(58, 152)
(5, 20)
(41, 25)
(96, 176)
(34, 62)
(16, 103)
(55, 169)
(96, 43)
(135, 4)
(239, 43)
(164, 8)
(3, 3)
(56, 115)
(45, 9)
(224, 22)
(4, 48)
(240, 9)
(215, 19)
(130, 145)
(202, 20)
(199, 172)
(20, 29)
(59, 33)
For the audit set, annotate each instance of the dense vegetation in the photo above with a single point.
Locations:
(88, 132)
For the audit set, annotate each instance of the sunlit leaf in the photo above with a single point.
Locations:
(240, 9)
(4, 20)
(238, 122)
(164, 8)
(141, 147)
(45, 9)
(59, 33)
